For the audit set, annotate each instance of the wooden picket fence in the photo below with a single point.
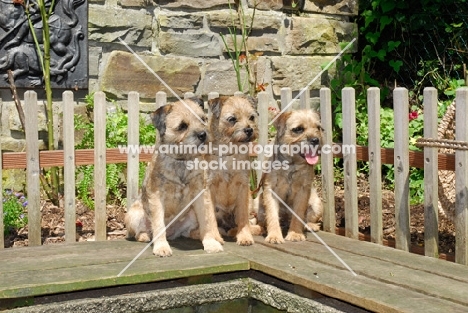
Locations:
(33, 160)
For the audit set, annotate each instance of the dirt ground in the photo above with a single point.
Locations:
(53, 222)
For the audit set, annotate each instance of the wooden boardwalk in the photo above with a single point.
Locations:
(388, 280)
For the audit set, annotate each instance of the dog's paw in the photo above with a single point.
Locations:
(244, 239)
(293, 236)
(162, 249)
(143, 237)
(256, 230)
(274, 238)
(314, 226)
(211, 245)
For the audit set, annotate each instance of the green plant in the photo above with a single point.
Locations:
(116, 134)
(239, 53)
(14, 211)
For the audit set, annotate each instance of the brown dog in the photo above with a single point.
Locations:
(171, 183)
(296, 147)
(233, 125)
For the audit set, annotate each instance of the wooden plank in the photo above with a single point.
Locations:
(431, 214)
(461, 180)
(427, 282)
(328, 178)
(350, 163)
(33, 169)
(17, 160)
(100, 192)
(101, 270)
(402, 211)
(133, 157)
(332, 280)
(69, 166)
(375, 165)
(161, 100)
(286, 98)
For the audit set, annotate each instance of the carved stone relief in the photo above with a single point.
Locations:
(68, 43)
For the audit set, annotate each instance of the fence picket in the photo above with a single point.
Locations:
(161, 100)
(133, 157)
(33, 170)
(286, 98)
(402, 212)
(100, 216)
(328, 178)
(350, 163)
(262, 109)
(69, 166)
(304, 100)
(431, 220)
(461, 179)
(375, 165)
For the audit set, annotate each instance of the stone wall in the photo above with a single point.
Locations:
(180, 41)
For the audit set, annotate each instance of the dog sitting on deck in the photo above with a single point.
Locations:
(170, 184)
(300, 131)
(233, 123)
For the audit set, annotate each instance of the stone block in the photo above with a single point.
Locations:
(178, 20)
(265, 21)
(133, 3)
(317, 35)
(297, 72)
(219, 76)
(107, 24)
(342, 7)
(123, 73)
(275, 5)
(192, 4)
(193, 44)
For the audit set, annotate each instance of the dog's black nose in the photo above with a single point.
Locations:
(202, 135)
(314, 141)
(248, 131)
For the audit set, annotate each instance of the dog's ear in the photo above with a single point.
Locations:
(280, 123)
(216, 105)
(253, 101)
(159, 118)
(198, 101)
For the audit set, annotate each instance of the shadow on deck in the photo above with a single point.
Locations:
(388, 280)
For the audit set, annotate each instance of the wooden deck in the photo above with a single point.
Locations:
(388, 280)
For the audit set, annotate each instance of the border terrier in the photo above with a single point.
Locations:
(300, 133)
(233, 123)
(169, 184)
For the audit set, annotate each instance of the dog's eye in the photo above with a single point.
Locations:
(232, 119)
(252, 118)
(182, 126)
(298, 130)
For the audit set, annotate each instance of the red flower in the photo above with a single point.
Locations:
(413, 115)
(242, 58)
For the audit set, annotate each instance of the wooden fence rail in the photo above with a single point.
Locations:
(33, 160)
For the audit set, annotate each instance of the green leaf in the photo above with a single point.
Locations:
(396, 65)
(392, 45)
(384, 21)
(373, 37)
(387, 5)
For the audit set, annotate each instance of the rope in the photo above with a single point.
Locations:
(442, 143)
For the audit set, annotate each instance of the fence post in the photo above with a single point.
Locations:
(350, 163)
(328, 178)
(304, 100)
(161, 100)
(431, 220)
(69, 166)
(133, 142)
(100, 214)
(375, 165)
(461, 179)
(401, 162)
(33, 170)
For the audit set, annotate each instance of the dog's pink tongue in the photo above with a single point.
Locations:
(311, 158)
